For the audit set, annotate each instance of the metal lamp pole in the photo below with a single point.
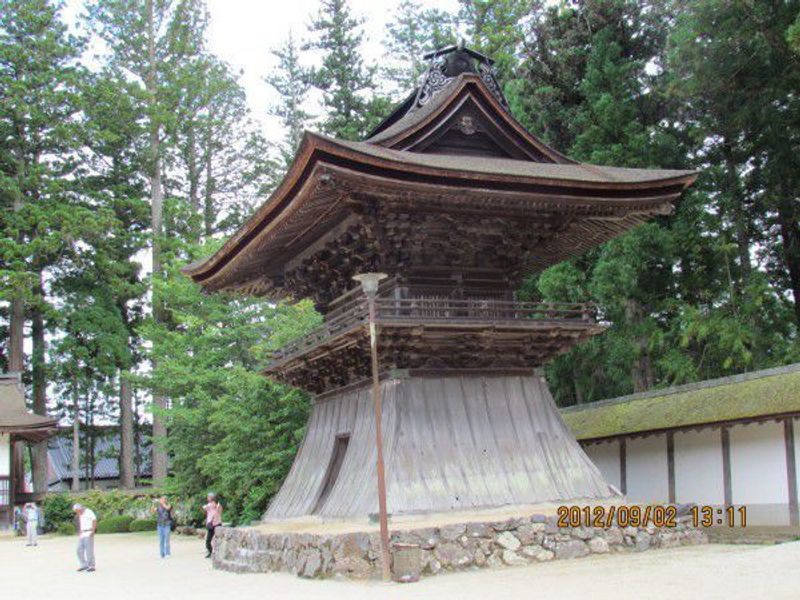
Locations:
(369, 284)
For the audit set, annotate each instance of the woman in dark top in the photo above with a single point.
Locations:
(163, 511)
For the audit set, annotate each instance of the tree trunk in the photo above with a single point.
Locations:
(76, 437)
(16, 325)
(209, 216)
(156, 217)
(16, 337)
(126, 464)
(39, 451)
(739, 216)
(790, 238)
(641, 369)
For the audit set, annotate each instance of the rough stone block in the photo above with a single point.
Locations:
(571, 549)
(512, 559)
(508, 541)
(451, 533)
(598, 545)
(481, 530)
(582, 533)
(452, 556)
(530, 534)
(642, 541)
(312, 563)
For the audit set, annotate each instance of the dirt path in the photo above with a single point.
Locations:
(129, 568)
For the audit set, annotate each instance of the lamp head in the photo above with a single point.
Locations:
(370, 281)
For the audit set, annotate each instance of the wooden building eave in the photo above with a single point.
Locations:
(328, 170)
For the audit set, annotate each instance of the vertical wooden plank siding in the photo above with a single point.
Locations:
(725, 439)
(623, 467)
(791, 470)
(671, 466)
(451, 443)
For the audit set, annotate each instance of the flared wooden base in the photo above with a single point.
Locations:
(455, 442)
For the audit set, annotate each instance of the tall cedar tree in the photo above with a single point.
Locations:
(346, 83)
(151, 41)
(739, 77)
(291, 81)
(40, 219)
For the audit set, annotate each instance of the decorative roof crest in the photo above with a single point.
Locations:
(448, 63)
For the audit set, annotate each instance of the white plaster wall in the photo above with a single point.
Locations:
(605, 456)
(698, 467)
(646, 461)
(758, 464)
(5, 455)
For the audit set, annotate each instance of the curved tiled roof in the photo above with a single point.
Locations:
(106, 457)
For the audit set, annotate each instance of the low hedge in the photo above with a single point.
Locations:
(142, 525)
(115, 524)
(66, 528)
(57, 509)
(137, 504)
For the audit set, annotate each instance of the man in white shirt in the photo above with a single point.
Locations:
(31, 514)
(87, 525)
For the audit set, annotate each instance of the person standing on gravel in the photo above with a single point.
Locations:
(31, 515)
(87, 526)
(213, 511)
(163, 511)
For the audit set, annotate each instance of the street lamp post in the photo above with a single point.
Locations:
(369, 284)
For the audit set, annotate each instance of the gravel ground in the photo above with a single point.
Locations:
(129, 568)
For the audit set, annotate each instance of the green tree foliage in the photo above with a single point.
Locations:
(291, 81)
(231, 430)
(347, 84)
(42, 217)
(682, 299)
(414, 32)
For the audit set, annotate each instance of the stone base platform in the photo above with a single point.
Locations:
(454, 546)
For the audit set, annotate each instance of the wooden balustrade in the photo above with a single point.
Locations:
(439, 311)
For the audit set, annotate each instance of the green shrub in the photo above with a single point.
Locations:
(136, 504)
(66, 528)
(57, 509)
(115, 524)
(108, 503)
(142, 525)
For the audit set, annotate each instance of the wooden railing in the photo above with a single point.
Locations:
(441, 311)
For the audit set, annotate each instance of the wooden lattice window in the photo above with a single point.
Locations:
(5, 491)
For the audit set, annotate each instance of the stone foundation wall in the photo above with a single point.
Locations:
(516, 541)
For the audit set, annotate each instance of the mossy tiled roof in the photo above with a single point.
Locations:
(754, 395)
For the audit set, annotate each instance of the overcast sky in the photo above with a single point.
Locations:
(242, 32)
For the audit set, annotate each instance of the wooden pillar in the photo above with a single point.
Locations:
(791, 471)
(671, 466)
(623, 467)
(725, 439)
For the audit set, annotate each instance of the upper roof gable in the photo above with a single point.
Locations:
(467, 105)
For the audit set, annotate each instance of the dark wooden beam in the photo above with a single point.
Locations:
(725, 441)
(791, 471)
(671, 466)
